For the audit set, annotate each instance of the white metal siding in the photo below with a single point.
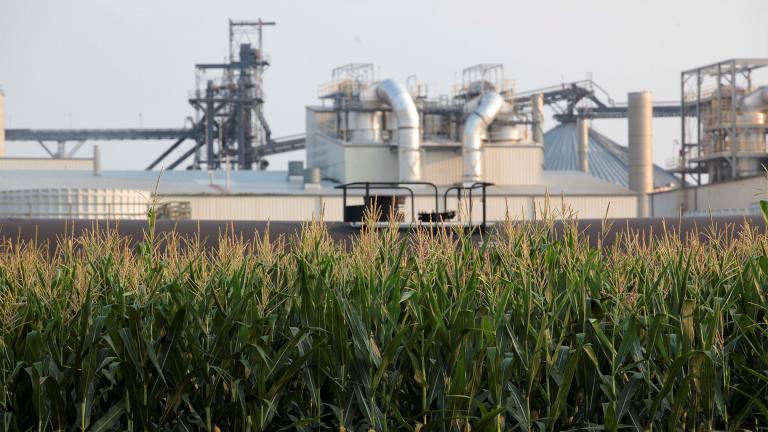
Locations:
(513, 164)
(301, 208)
(443, 166)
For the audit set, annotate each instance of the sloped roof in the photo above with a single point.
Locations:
(608, 160)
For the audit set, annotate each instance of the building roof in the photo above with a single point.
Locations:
(269, 183)
(608, 160)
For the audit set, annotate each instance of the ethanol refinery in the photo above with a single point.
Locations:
(482, 153)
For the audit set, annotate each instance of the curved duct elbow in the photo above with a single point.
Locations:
(474, 126)
(409, 156)
(757, 101)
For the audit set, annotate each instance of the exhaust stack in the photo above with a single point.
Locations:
(408, 139)
(641, 149)
(474, 126)
(537, 104)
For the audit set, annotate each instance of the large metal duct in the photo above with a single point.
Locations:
(2, 124)
(474, 126)
(641, 149)
(757, 101)
(537, 126)
(409, 157)
(582, 131)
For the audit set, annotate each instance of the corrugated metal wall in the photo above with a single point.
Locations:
(513, 164)
(279, 208)
(717, 197)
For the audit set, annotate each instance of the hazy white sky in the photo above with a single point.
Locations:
(99, 63)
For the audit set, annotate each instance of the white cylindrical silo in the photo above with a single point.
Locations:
(640, 116)
(537, 126)
(2, 124)
(582, 143)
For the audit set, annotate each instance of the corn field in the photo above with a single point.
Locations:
(428, 331)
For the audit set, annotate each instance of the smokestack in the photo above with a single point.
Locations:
(2, 124)
(641, 149)
(537, 104)
(582, 130)
(96, 160)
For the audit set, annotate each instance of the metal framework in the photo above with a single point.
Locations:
(710, 130)
(229, 121)
(586, 98)
(230, 109)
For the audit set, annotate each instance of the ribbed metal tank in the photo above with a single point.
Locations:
(76, 203)
(641, 148)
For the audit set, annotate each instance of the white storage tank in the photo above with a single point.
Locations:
(78, 203)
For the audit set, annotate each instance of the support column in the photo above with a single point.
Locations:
(582, 131)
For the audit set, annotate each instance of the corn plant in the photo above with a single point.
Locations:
(529, 328)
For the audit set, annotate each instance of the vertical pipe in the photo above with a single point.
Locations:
(210, 157)
(582, 130)
(2, 124)
(408, 136)
(734, 140)
(227, 170)
(240, 112)
(641, 148)
(96, 160)
(537, 104)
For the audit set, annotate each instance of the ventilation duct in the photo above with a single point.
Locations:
(401, 103)
(474, 126)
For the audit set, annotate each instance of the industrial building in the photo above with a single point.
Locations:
(479, 153)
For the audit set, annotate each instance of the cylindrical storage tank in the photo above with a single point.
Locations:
(640, 115)
(537, 104)
(582, 143)
(76, 203)
(365, 127)
(2, 124)
(756, 101)
(312, 175)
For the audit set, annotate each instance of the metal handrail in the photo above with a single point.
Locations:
(366, 186)
(384, 185)
(460, 188)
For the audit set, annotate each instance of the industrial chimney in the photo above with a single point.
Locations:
(641, 149)
(537, 126)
